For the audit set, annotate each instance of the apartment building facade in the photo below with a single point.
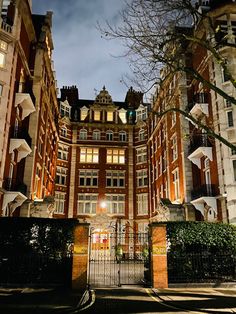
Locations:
(198, 171)
(102, 168)
(28, 109)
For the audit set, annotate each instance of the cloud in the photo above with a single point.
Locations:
(81, 56)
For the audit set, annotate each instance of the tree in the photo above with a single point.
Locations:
(164, 34)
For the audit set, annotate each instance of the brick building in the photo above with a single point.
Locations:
(194, 170)
(115, 164)
(102, 168)
(29, 110)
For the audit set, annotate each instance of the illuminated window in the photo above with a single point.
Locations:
(122, 115)
(115, 178)
(110, 116)
(176, 183)
(89, 155)
(3, 50)
(115, 156)
(142, 204)
(142, 179)
(174, 148)
(83, 114)
(60, 202)
(97, 115)
(116, 203)
(88, 177)
(87, 203)
(83, 134)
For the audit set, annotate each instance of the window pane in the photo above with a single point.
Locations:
(2, 59)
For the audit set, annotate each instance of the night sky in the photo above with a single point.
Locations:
(81, 56)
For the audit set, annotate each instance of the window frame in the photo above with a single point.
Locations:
(115, 158)
(87, 201)
(116, 178)
(142, 203)
(113, 199)
(90, 177)
(94, 155)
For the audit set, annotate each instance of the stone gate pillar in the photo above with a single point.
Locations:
(159, 269)
(80, 256)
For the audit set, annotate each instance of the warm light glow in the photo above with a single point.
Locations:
(103, 204)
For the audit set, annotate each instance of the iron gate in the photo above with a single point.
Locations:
(117, 259)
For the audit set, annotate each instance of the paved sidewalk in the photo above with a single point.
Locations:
(206, 300)
(42, 300)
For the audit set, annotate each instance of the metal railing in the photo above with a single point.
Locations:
(201, 267)
(204, 190)
(20, 133)
(6, 27)
(201, 140)
(9, 185)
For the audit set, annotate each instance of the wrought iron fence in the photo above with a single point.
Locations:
(201, 267)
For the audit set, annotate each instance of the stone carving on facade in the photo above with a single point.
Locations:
(44, 209)
(162, 213)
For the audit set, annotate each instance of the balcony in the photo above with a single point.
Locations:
(20, 141)
(204, 190)
(200, 146)
(200, 105)
(8, 185)
(25, 101)
(201, 202)
(14, 196)
(5, 26)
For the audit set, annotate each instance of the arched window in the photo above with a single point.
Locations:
(83, 134)
(64, 131)
(96, 135)
(109, 135)
(141, 135)
(122, 136)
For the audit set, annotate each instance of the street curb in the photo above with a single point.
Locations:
(87, 300)
(186, 309)
(204, 285)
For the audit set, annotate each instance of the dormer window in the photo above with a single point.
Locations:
(65, 109)
(110, 116)
(97, 115)
(122, 115)
(141, 113)
(83, 113)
